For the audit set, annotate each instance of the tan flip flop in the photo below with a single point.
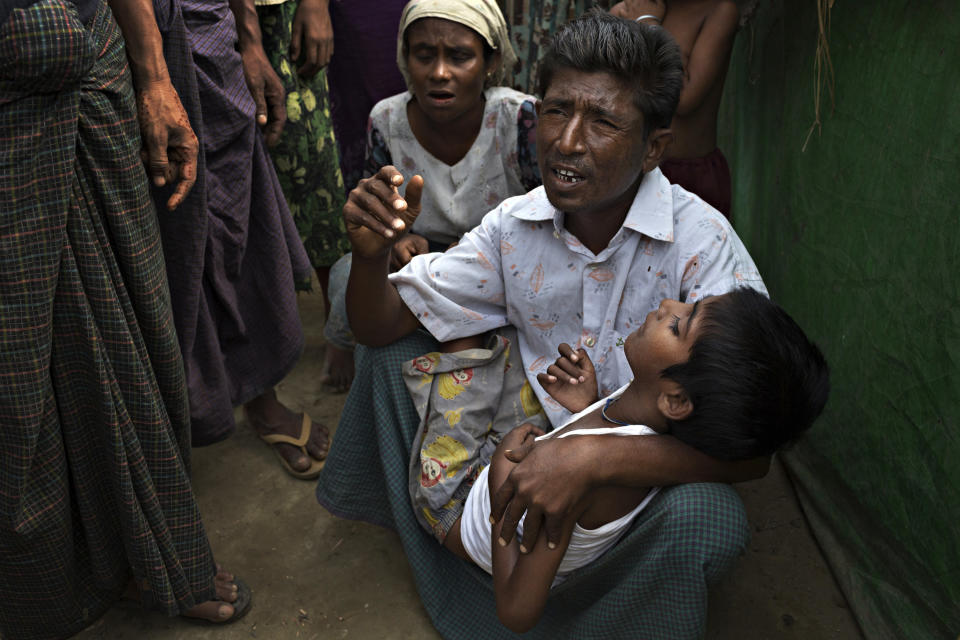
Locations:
(313, 470)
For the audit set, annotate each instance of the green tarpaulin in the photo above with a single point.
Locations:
(858, 236)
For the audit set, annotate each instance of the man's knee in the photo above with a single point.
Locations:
(707, 526)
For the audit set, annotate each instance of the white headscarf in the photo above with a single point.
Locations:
(483, 16)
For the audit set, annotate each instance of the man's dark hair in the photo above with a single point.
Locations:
(644, 56)
(755, 380)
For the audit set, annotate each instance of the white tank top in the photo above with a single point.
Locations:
(586, 545)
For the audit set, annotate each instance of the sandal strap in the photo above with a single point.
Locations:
(280, 438)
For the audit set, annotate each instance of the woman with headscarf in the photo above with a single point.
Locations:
(472, 140)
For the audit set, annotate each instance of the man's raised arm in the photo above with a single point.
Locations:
(552, 476)
(376, 216)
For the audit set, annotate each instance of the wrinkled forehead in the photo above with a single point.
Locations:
(431, 31)
(591, 90)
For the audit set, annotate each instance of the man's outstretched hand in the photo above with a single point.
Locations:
(571, 380)
(551, 479)
(376, 215)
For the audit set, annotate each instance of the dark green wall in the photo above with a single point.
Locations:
(858, 237)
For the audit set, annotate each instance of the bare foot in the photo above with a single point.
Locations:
(220, 610)
(337, 368)
(268, 417)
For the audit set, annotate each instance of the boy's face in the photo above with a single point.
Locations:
(664, 339)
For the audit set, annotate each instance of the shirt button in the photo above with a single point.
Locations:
(590, 341)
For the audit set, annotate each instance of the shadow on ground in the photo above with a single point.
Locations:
(315, 576)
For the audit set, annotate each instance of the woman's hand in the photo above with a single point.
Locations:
(376, 215)
(633, 9)
(406, 247)
(312, 37)
(571, 380)
(170, 147)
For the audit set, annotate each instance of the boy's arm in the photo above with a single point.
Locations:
(521, 581)
(709, 56)
(551, 479)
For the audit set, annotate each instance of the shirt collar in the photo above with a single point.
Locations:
(650, 214)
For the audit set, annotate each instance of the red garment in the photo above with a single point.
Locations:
(707, 176)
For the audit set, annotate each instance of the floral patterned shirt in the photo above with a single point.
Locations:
(522, 267)
(502, 162)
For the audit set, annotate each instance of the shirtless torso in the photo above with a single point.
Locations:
(704, 30)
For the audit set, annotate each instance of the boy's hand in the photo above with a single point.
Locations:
(520, 438)
(406, 247)
(571, 380)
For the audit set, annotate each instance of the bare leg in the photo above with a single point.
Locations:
(323, 276)
(337, 368)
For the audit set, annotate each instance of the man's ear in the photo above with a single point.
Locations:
(657, 144)
(673, 402)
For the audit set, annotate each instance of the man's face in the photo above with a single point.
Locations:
(590, 143)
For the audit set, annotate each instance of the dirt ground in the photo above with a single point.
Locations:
(315, 576)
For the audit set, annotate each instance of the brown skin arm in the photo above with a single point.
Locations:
(552, 477)
(710, 52)
(521, 582)
(170, 147)
(633, 9)
(262, 80)
(376, 216)
(311, 37)
(709, 56)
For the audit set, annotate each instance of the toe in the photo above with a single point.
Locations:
(319, 443)
(227, 592)
(211, 610)
(294, 456)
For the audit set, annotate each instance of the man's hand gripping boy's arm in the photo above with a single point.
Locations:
(571, 380)
(551, 479)
(521, 581)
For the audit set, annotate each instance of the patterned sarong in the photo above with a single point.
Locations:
(94, 442)
(306, 157)
(232, 250)
(652, 584)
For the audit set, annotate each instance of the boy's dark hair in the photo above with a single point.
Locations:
(645, 56)
(755, 380)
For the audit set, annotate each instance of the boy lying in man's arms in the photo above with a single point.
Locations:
(732, 376)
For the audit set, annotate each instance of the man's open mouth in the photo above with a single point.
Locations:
(568, 176)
